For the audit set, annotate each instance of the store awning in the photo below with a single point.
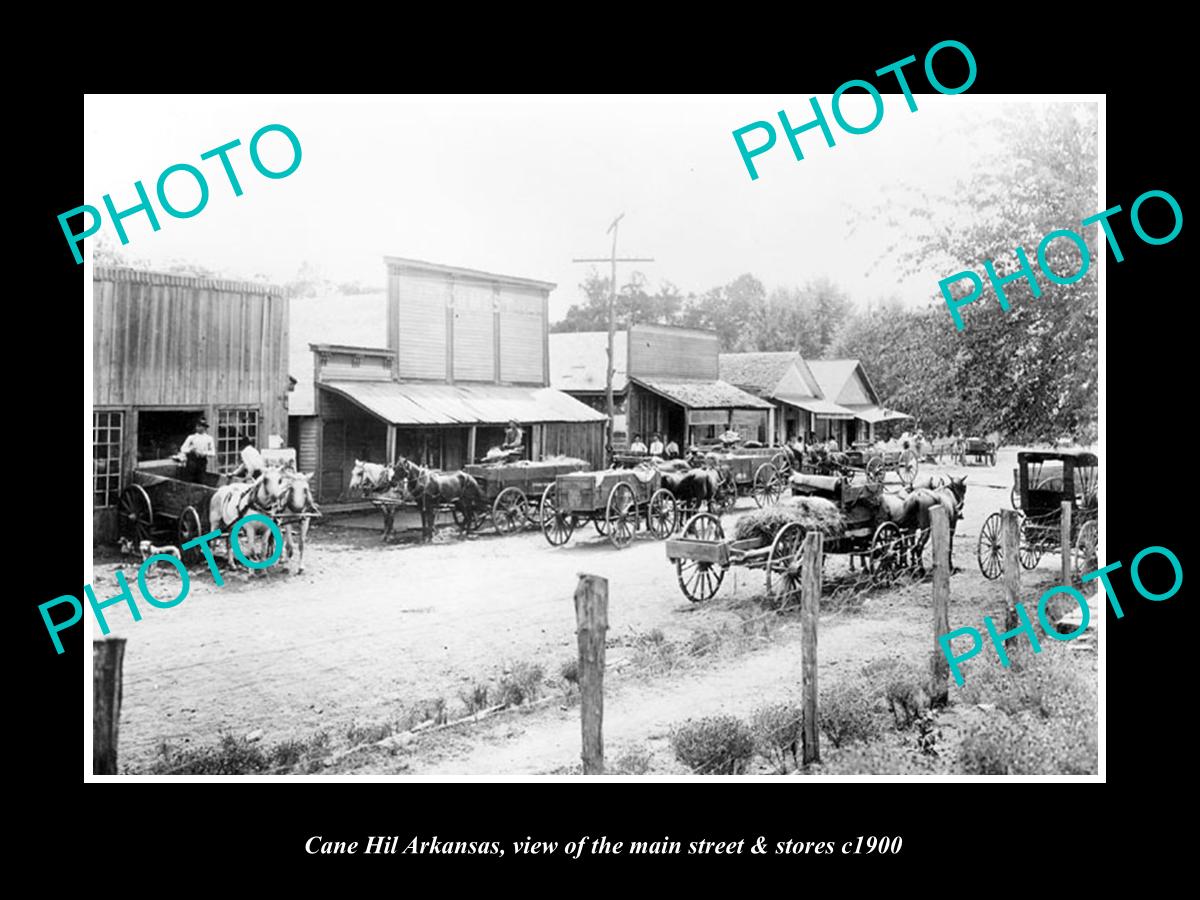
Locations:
(822, 409)
(873, 415)
(460, 404)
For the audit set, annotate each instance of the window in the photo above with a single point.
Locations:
(106, 458)
(232, 426)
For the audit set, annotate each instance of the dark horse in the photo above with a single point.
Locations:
(431, 489)
(693, 487)
(911, 511)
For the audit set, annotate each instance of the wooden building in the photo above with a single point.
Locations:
(466, 352)
(845, 382)
(675, 389)
(170, 349)
(785, 380)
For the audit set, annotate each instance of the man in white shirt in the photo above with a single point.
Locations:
(637, 446)
(197, 450)
(252, 462)
(656, 445)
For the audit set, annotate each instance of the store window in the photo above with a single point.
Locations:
(232, 426)
(107, 428)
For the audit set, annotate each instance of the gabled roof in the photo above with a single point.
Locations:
(579, 360)
(833, 374)
(761, 373)
(703, 394)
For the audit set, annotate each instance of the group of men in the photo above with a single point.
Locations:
(669, 450)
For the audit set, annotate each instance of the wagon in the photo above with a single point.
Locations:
(514, 490)
(1044, 481)
(980, 450)
(614, 500)
(759, 472)
(702, 554)
(877, 463)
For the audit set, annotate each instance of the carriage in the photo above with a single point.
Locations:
(514, 490)
(876, 463)
(760, 472)
(1044, 480)
(980, 450)
(614, 500)
(160, 504)
(702, 554)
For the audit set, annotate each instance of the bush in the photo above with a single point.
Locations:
(907, 695)
(1026, 744)
(431, 709)
(634, 761)
(569, 671)
(847, 713)
(1049, 684)
(475, 698)
(520, 684)
(715, 745)
(877, 758)
(369, 733)
(231, 756)
(778, 732)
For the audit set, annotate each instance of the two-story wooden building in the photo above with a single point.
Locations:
(785, 380)
(465, 353)
(170, 349)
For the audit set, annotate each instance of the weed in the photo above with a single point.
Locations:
(719, 745)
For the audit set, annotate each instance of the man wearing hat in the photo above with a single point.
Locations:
(197, 450)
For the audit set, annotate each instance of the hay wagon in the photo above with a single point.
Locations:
(613, 500)
(1044, 480)
(847, 514)
(514, 490)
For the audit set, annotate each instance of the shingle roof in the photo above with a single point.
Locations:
(579, 360)
(758, 373)
(704, 394)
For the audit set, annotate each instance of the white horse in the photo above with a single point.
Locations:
(290, 497)
(230, 503)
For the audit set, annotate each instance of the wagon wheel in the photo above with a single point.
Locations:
(875, 473)
(768, 485)
(782, 463)
(556, 524)
(1031, 550)
(599, 523)
(697, 579)
(783, 565)
(662, 514)
(187, 529)
(1014, 497)
(908, 467)
(887, 551)
(1085, 555)
(136, 514)
(510, 511)
(990, 551)
(915, 552)
(622, 515)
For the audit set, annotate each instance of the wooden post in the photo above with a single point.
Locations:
(1010, 539)
(591, 618)
(1067, 544)
(940, 537)
(471, 449)
(107, 658)
(810, 602)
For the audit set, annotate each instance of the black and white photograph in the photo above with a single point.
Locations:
(656, 437)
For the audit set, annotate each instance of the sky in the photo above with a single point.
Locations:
(522, 185)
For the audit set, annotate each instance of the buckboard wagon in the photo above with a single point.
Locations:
(1043, 481)
(876, 463)
(613, 500)
(854, 526)
(514, 490)
(759, 472)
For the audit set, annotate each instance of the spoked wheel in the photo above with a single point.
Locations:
(1031, 550)
(556, 525)
(990, 550)
(662, 514)
(700, 580)
(1014, 496)
(783, 565)
(622, 515)
(1085, 555)
(783, 465)
(916, 552)
(768, 485)
(875, 473)
(135, 514)
(887, 551)
(600, 524)
(908, 467)
(188, 529)
(510, 511)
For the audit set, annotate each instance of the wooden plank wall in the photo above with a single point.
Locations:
(173, 341)
(584, 440)
(673, 354)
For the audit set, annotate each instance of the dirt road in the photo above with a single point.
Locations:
(368, 629)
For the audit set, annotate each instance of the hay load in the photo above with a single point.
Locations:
(813, 513)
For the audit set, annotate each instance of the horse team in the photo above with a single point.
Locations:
(280, 493)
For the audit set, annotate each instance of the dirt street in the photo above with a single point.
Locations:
(369, 628)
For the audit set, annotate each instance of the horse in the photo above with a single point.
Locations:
(911, 511)
(693, 487)
(930, 482)
(231, 502)
(430, 489)
(290, 494)
(376, 478)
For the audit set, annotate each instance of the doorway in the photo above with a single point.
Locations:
(161, 432)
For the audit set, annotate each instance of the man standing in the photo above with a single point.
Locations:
(637, 446)
(197, 450)
(656, 445)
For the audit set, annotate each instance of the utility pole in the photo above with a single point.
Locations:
(612, 302)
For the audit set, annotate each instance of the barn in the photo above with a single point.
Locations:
(168, 349)
(464, 352)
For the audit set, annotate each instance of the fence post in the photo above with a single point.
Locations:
(591, 617)
(940, 536)
(1067, 545)
(108, 656)
(810, 602)
(1010, 539)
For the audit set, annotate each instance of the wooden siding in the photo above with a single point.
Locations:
(667, 353)
(307, 436)
(584, 441)
(176, 342)
(417, 318)
(474, 332)
(523, 331)
(854, 391)
(347, 433)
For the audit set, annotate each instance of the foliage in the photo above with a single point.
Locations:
(475, 697)
(634, 761)
(569, 670)
(877, 757)
(520, 684)
(1024, 744)
(239, 756)
(715, 745)
(847, 712)
(777, 731)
